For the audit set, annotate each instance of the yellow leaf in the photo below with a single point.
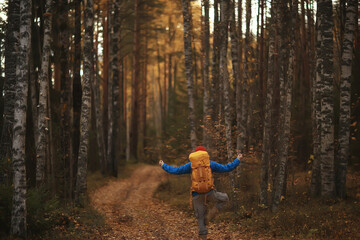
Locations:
(353, 124)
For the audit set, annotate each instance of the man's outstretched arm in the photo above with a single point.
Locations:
(217, 167)
(176, 170)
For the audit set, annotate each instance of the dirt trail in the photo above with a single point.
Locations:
(132, 213)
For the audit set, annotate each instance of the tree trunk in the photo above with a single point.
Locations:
(224, 75)
(11, 54)
(65, 100)
(115, 88)
(86, 105)
(18, 214)
(43, 118)
(235, 65)
(285, 114)
(206, 104)
(105, 21)
(345, 97)
(134, 134)
(268, 109)
(245, 100)
(110, 96)
(77, 91)
(214, 86)
(315, 184)
(324, 7)
(239, 85)
(188, 70)
(99, 121)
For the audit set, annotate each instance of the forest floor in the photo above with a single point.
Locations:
(131, 212)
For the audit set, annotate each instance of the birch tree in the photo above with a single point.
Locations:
(42, 124)
(324, 7)
(265, 159)
(11, 53)
(235, 67)
(285, 114)
(214, 86)
(86, 105)
(18, 214)
(189, 69)
(206, 112)
(245, 92)
(345, 97)
(115, 90)
(316, 110)
(224, 74)
(110, 104)
(134, 133)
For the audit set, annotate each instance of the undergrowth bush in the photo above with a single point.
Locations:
(42, 210)
(5, 209)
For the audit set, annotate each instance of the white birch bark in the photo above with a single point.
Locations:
(268, 109)
(316, 108)
(18, 214)
(345, 97)
(85, 106)
(11, 54)
(42, 124)
(285, 114)
(327, 101)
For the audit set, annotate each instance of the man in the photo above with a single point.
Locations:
(203, 188)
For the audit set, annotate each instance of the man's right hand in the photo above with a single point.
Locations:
(161, 162)
(240, 156)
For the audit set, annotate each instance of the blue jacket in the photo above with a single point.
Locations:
(215, 167)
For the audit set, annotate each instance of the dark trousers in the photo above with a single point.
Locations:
(200, 206)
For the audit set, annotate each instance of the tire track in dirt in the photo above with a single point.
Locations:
(132, 213)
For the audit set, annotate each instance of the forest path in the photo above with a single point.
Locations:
(132, 212)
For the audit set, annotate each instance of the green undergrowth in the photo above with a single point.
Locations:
(298, 217)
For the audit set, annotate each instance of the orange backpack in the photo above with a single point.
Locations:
(202, 181)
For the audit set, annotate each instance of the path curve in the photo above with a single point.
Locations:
(132, 213)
